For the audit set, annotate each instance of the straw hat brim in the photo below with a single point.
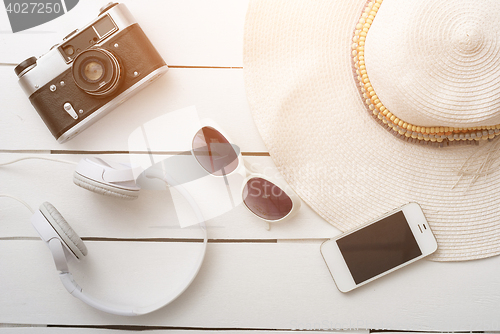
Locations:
(349, 169)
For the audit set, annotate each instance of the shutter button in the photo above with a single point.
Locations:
(69, 109)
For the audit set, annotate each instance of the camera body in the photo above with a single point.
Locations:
(91, 72)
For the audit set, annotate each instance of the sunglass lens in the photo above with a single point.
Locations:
(214, 152)
(266, 200)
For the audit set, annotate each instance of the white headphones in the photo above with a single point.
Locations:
(111, 179)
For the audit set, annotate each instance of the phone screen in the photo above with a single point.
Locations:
(379, 247)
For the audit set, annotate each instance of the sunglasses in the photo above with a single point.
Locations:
(270, 199)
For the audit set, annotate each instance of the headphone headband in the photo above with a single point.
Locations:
(57, 244)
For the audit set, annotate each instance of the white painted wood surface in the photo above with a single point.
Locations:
(251, 278)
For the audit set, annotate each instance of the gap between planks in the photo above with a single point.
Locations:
(173, 66)
(79, 152)
(215, 241)
(138, 328)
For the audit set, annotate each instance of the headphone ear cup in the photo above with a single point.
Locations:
(103, 189)
(61, 226)
(106, 178)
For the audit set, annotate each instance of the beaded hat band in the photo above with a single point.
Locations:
(398, 125)
(433, 64)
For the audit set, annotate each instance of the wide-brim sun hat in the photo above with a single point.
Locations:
(366, 106)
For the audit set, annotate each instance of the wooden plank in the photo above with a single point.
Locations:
(186, 33)
(242, 285)
(153, 215)
(22, 129)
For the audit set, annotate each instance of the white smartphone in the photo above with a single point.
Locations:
(379, 247)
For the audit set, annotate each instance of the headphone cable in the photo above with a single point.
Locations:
(40, 158)
(20, 201)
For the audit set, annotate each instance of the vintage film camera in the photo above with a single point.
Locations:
(91, 72)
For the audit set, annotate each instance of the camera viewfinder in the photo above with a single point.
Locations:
(69, 50)
(87, 37)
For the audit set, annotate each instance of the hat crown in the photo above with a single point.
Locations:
(437, 63)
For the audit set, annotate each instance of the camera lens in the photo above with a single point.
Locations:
(93, 70)
(97, 72)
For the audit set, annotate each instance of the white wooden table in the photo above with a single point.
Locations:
(251, 278)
